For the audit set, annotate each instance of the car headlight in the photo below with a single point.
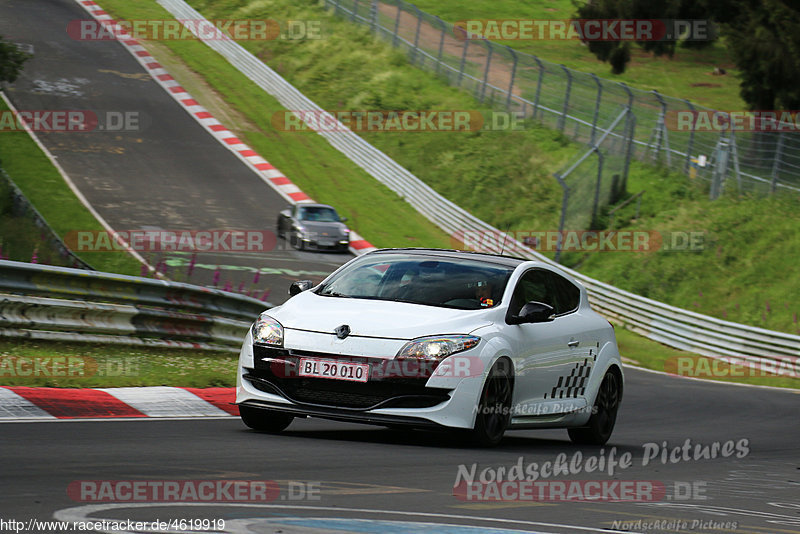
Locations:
(267, 331)
(436, 348)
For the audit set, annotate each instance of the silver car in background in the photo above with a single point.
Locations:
(314, 226)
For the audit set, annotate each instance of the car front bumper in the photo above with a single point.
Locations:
(434, 401)
(322, 243)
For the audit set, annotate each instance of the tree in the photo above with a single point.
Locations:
(11, 61)
(618, 53)
(763, 36)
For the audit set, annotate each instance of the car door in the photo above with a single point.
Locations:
(551, 358)
(583, 344)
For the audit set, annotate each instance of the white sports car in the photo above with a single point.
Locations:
(435, 338)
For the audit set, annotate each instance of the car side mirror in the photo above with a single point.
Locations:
(342, 219)
(300, 286)
(533, 312)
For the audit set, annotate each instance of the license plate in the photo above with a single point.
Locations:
(325, 243)
(356, 372)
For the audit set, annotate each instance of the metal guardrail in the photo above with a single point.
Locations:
(57, 303)
(669, 325)
(690, 331)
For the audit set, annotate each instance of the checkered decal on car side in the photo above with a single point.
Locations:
(574, 384)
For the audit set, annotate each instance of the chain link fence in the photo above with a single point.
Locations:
(579, 104)
(597, 177)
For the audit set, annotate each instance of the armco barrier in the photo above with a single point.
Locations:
(56, 303)
(687, 330)
(676, 327)
(672, 326)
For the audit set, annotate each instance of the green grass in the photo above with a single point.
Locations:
(501, 176)
(489, 173)
(20, 238)
(84, 365)
(739, 272)
(44, 187)
(686, 75)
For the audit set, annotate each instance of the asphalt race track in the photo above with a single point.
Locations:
(368, 473)
(337, 477)
(168, 173)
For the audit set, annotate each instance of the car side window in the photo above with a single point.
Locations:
(547, 287)
(567, 295)
(533, 285)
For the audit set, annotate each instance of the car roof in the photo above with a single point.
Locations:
(507, 261)
(312, 205)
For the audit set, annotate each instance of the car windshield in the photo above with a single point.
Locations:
(318, 214)
(430, 280)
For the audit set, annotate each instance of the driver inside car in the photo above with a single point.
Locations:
(483, 294)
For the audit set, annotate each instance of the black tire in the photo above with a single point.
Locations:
(279, 227)
(601, 423)
(264, 420)
(494, 407)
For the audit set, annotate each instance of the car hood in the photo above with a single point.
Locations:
(376, 318)
(333, 228)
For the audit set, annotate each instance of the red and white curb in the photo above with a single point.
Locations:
(35, 403)
(266, 171)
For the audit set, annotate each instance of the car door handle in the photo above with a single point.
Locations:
(574, 343)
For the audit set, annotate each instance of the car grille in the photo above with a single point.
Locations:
(334, 245)
(387, 387)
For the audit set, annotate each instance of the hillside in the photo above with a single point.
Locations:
(505, 177)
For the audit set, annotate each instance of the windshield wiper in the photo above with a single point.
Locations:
(335, 294)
